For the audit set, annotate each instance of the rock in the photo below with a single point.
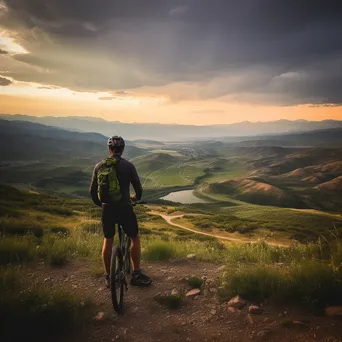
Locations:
(333, 311)
(191, 256)
(174, 292)
(193, 292)
(230, 309)
(263, 333)
(300, 324)
(254, 310)
(237, 302)
(46, 279)
(74, 286)
(99, 316)
(158, 295)
(100, 289)
(213, 312)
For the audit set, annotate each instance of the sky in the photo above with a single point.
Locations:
(172, 61)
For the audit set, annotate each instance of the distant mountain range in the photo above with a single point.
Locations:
(20, 141)
(173, 132)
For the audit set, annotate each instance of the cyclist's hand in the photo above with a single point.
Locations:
(133, 197)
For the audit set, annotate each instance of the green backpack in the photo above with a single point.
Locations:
(108, 184)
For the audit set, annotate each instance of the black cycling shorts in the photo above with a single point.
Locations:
(122, 214)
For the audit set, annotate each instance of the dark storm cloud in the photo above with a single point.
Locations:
(284, 52)
(5, 81)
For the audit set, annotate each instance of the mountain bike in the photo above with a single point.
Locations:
(120, 268)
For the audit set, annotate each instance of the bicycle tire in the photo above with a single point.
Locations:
(116, 280)
(127, 257)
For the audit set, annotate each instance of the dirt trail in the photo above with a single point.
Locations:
(203, 318)
(169, 218)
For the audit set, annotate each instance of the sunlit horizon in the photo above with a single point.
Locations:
(159, 71)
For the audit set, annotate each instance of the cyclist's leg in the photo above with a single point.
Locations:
(135, 253)
(108, 226)
(130, 226)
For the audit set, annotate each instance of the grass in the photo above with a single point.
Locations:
(159, 251)
(299, 225)
(228, 223)
(307, 274)
(20, 226)
(312, 284)
(194, 282)
(170, 301)
(17, 250)
(35, 313)
(54, 249)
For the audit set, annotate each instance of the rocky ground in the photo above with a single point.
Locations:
(200, 317)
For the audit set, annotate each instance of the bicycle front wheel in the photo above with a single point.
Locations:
(117, 280)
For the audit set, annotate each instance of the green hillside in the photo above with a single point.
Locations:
(43, 157)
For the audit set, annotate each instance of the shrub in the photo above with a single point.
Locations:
(57, 250)
(195, 282)
(313, 284)
(170, 301)
(159, 250)
(253, 282)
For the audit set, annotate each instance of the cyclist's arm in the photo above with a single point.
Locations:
(136, 184)
(93, 189)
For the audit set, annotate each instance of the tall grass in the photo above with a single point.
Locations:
(308, 275)
(17, 249)
(54, 249)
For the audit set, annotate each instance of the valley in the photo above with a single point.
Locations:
(269, 214)
(260, 183)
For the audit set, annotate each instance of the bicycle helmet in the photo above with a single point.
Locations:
(116, 141)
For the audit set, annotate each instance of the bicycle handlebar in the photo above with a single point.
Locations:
(138, 202)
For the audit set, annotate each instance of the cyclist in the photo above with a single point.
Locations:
(121, 212)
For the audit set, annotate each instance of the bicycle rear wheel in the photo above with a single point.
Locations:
(127, 255)
(117, 279)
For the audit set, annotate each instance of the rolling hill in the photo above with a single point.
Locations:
(328, 137)
(254, 191)
(334, 185)
(154, 162)
(26, 141)
(174, 132)
(50, 158)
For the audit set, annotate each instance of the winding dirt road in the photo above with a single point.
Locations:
(169, 218)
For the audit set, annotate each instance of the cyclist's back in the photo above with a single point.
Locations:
(126, 174)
